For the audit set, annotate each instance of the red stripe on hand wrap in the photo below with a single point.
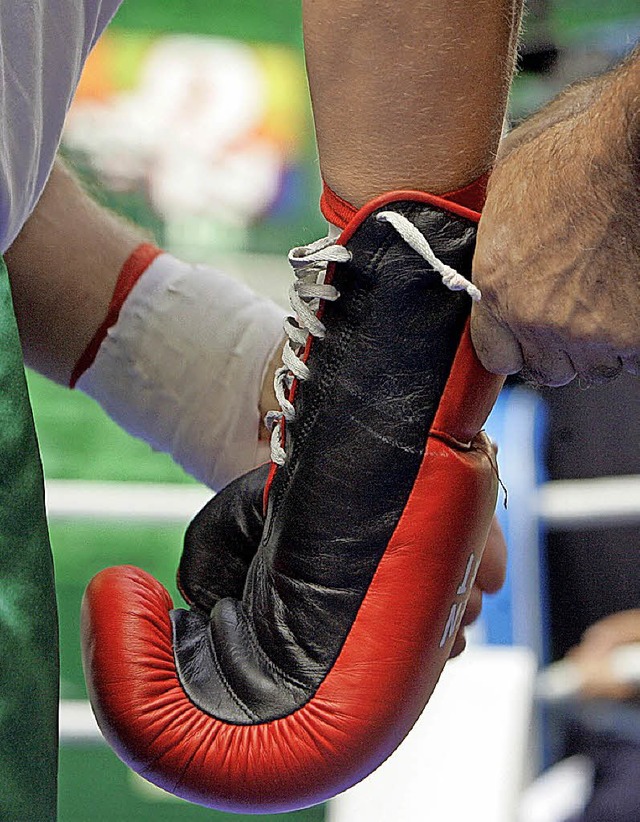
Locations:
(134, 267)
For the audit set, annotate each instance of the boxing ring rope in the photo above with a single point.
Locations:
(151, 503)
(561, 504)
(593, 503)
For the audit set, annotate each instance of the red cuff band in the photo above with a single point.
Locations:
(471, 196)
(133, 268)
(334, 209)
(339, 212)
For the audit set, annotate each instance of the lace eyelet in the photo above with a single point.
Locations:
(306, 295)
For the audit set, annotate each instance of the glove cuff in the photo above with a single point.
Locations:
(339, 212)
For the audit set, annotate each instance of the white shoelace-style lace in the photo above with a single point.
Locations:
(309, 264)
(418, 242)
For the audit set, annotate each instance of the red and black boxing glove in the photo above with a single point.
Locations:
(320, 622)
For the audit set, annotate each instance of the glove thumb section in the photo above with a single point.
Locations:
(221, 542)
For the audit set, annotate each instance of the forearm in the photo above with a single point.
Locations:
(624, 94)
(63, 267)
(185, 362)
(614, 95)
(408, 95)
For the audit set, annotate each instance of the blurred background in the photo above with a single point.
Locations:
(193, 119)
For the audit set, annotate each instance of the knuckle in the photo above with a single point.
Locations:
(600, 373)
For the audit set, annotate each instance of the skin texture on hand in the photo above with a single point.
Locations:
(558, 254)
(594, 651)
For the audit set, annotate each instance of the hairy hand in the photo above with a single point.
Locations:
(593, 655)
(558, 253)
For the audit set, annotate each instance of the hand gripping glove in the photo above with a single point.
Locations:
(318, 630)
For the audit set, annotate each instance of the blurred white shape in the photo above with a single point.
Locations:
(561, 792)
(77, 723)
(590, 503)
(563, 679)
(468, 756)
(126, 502)
(189, 133)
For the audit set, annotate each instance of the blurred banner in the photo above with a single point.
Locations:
(207, 141)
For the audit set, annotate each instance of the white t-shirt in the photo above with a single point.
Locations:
(43, 47)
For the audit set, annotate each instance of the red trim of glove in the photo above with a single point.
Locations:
(134, 267)
(340, 213)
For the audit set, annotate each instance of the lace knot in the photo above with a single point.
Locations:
(414, 238)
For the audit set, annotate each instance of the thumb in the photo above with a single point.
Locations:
(496, 347)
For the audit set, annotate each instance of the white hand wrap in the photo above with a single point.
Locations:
(183, 368)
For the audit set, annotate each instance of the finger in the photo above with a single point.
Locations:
(599, 374)
(631, 365)
(607, 689)
(546, 364)
(586, 654)
(474, 607)
(493, 567)
(471, 613)
(497, 349)
(599, 680)
(615, 629)
(459, 645)
(595, 366)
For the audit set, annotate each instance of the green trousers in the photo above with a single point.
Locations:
(28, 619)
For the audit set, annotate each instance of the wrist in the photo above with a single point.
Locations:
(184, 367)
(133, 268)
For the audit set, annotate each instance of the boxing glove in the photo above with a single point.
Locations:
(325, 590)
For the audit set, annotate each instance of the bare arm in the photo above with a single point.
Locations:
(63, 267)
(558, 256)
(594, 655)
(408, 95)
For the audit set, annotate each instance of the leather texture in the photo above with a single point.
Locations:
(318, 630)
(221, 542)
